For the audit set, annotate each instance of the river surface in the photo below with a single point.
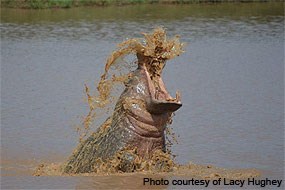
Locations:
(230, 78)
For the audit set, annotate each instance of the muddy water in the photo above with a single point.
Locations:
(230, 78)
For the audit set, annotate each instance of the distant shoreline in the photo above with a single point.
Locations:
(48, 4)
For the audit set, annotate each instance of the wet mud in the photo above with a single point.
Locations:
(189, 170)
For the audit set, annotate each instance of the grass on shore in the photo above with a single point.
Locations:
(44, 4)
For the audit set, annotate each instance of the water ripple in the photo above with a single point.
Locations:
(188, 28)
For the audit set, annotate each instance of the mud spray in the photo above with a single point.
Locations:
(159, 161)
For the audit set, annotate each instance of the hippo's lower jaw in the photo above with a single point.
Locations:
(159, 107)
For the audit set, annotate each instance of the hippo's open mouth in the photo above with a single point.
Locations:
(159, 101)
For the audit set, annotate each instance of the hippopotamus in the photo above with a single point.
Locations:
(139, 120)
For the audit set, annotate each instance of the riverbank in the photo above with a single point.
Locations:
(46, 4)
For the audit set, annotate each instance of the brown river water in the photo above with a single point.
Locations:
(231, 79)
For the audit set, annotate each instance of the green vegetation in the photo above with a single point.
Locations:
(44, 4)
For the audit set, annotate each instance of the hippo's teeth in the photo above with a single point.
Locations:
(178, 96)
(176, 99)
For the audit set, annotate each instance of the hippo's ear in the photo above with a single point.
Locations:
(160, 107)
